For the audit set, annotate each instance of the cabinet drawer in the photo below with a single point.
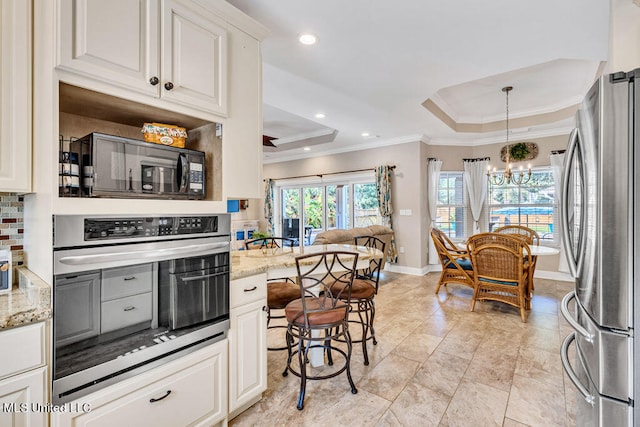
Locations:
(196, 398)
(23, 349)
(248, 289)
(126, 281)
(123, 312)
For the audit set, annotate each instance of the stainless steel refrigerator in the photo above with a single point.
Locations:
(601, 226)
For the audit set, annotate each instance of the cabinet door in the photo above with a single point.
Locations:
(247, 354)
(194, 58)
(77, 308)
(115, 41)
(15, 86)
(20, 397)
(242, 139)
(190, 391)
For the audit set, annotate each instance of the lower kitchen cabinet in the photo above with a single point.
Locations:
(189, 391)
(247, 342)
(22, 399)
(23, 376)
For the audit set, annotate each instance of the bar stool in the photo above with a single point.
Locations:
(363, 291)
(320, 316)
(280, 292)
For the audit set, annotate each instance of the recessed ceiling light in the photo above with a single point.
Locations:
(307, 39)
(320, 116)
(365, 134)
(307, 149)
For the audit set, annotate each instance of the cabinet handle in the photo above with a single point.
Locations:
(130, 278)
(168, 85)
(129, 308)
(153, 400)
(154, 81)
(251, 290)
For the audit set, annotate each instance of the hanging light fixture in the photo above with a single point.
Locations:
(508, 176)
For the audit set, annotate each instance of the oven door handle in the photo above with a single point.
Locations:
(157, 254)
(206, 276)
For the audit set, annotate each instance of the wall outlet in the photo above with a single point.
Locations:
(401, 249)
(405, 212)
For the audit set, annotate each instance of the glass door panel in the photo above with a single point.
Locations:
(365, 205)
(313, 211)
(291, 209)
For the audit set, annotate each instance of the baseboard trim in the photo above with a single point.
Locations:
(394, 268)
(553, 275)
(542, 274)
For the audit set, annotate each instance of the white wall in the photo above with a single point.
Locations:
(624, 40)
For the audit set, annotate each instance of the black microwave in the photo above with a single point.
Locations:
(113, 166)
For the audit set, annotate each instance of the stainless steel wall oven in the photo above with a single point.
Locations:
(132, 292)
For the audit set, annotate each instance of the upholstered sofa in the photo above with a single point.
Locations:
(347, 236)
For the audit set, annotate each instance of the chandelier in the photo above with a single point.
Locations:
(508, 176)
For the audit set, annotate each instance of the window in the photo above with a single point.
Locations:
(452, 209)
(308, 208)
(531, 205)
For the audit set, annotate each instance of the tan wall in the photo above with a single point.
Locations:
(409, 184)
(406, 187)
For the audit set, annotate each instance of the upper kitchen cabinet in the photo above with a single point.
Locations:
(172, 50)
(243, 137)
(15, 86)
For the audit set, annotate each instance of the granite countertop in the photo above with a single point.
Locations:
(256, 261)
(28, 302)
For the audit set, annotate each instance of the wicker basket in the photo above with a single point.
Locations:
(160, 133)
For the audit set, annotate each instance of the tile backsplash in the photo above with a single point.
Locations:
(11, 226)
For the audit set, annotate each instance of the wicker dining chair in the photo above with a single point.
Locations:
(531, 237)
(280, 292)
(319, 318)
(501, 266)
(456, 264)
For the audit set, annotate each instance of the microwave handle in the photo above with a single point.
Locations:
(183, 172)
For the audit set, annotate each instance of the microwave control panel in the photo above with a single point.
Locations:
(118, 228)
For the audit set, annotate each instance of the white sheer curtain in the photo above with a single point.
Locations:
(475, 180)
(433, 176)
(557, 162)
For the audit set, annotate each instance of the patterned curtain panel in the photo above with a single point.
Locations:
(268, 205)
(383, 186)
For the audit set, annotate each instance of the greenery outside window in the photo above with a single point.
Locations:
(531, 205)
(452, 208)
(307, 208)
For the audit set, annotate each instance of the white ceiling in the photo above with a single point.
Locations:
(377, 61)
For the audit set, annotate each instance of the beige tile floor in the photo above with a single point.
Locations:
(437, 364)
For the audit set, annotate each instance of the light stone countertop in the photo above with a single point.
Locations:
(282, 262)
(27, 303)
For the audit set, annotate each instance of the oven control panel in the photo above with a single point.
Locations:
(118, 228)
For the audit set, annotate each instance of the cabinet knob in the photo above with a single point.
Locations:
(265, 308)
(168, 85)
(154, 81)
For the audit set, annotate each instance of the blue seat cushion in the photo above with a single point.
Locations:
(462, 262)
(498, 282)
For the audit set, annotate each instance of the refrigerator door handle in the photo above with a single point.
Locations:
(564, 309)
(566, 365)
(574, 266)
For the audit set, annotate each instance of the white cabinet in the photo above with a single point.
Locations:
(247, 342)
(15, 87)
(23, 376)
(22, 399)
(169, 49)
(242, 139)
(189, 391)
